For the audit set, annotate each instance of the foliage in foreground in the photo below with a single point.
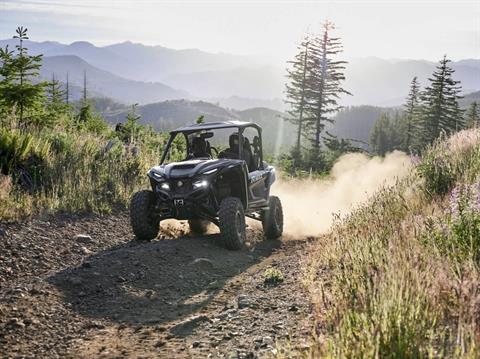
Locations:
(67, 169)
(399, 277)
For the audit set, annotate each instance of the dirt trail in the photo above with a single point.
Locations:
(106, 295)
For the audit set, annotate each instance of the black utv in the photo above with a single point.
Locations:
(213, 183)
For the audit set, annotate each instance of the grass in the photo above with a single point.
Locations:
(71, 170)
(398, 278)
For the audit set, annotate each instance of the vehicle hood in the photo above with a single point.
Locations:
(193, 168)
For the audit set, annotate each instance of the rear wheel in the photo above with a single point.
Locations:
(232, 222)
(145, 224)
(272, 220)
(198, 226)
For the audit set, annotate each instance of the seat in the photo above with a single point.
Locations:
(247, 155)
(232, 151)
(199, 148)
(256, 152)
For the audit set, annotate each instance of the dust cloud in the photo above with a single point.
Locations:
(309, 205)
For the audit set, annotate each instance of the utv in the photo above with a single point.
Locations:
(213, 184)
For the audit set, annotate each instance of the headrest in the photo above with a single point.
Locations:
(233, 140)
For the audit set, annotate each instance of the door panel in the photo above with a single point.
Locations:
(256, 185)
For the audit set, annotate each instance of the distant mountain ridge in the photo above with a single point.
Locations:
(101, 82)
(137, 61)
(202, 75)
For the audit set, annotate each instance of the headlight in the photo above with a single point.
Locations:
(165, 186)
(200, 184)
(156, 175)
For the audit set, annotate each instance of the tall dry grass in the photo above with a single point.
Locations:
(399, 277)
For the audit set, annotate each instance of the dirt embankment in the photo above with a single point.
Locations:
(105, 295)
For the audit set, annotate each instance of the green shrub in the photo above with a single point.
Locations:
(438, 173)
(445, 162)
(272, 276)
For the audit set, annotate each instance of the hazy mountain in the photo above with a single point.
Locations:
(372, 81)
(104, 83)
(136, 61)
(382, 82)
(243, 103)
(156, 63)
(265, 82)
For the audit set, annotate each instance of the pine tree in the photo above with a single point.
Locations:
(411, 112)
(55, 105)
(84, 86)
(20, 91)
(324, 80)
(85, 114)
(55, 93)
(296, 92)
(6, 75)
(441, 112)
(132, 128)
(380, 137)
(473, 116)
(67, 91)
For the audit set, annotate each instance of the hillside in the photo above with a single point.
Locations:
(167, 115)
(356, 122)
(353, 122)
(386, 278)
(469, 98)
(104, 83)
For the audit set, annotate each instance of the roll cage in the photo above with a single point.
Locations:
(239, 125)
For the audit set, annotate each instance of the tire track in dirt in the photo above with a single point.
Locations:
(112, 297)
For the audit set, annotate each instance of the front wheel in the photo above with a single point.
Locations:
(272, 220)
(232, 222)
(145, 224)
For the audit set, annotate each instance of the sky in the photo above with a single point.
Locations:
(266, 29)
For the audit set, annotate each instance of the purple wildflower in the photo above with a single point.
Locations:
(454, 201)
(465, 198)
